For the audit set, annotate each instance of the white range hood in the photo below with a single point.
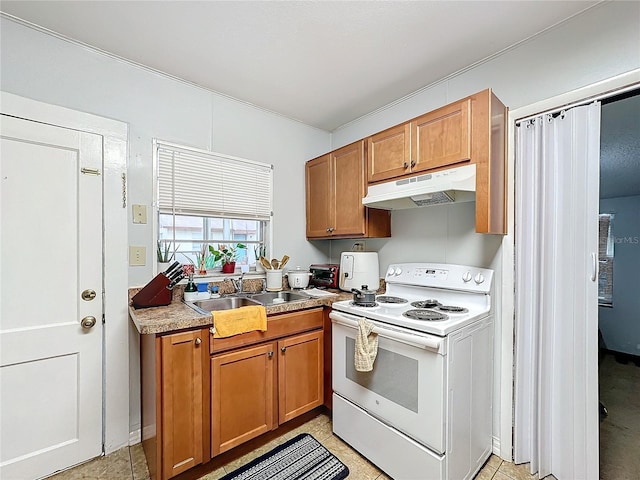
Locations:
(445, 186)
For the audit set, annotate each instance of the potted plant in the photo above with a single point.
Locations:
(164, 255)
(260, 250)
(201, 258)
(227, 255)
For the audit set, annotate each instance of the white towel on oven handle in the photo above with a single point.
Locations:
(366, 346)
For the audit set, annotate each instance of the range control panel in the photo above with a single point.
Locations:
(438, 275)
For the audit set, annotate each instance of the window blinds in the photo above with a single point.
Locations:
(605, 257)
(201, 183)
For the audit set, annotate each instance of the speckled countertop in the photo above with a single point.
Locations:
(178, 315)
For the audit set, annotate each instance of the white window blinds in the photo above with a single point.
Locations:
(201, 183)
(605, 257)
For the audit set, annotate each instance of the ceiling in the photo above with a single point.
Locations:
(324, 63)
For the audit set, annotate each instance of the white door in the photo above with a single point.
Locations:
(51, 252)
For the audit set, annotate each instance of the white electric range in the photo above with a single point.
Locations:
(424, 411)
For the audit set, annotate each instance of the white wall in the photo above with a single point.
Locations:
(599, 44)
(45, 68)
(620, 323)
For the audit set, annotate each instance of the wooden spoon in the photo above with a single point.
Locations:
(284, 261)
(274, 263)
(265, 263)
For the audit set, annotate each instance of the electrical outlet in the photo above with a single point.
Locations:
(139, 213)
(137, 256)
(358, 247)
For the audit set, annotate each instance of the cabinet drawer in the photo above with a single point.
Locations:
(278, 326)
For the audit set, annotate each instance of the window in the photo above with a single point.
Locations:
(605, 258)
(205, 198)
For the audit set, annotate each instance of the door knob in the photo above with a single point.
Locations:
(88, 295)
(88, 322)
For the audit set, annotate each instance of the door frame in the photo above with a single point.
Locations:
(115, 352)
(609, 87)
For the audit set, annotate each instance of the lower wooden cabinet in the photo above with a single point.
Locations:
(300, 374)
(255, 389)
(203, 396)
(175, 401)
(242, 393)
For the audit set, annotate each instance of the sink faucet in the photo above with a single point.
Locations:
(238, 284)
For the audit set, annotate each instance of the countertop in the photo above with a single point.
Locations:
(178, 316)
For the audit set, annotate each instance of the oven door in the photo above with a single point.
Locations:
(406, 388)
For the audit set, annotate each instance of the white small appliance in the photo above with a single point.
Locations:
(358, 269)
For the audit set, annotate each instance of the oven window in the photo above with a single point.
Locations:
(394, 376)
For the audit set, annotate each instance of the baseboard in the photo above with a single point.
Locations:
(135, 437)
(495, 443)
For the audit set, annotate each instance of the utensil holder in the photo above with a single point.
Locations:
(274, 280)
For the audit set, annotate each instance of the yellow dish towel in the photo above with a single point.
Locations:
(366, 346)
(239, 320)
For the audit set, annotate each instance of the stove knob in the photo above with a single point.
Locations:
(479, 278)
(391, 271)
(466, 277)
(398, 271)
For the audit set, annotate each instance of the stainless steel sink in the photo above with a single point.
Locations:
(243, 300)
(222, 303)
(275, 298)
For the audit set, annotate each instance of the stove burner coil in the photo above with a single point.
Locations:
(388, 299)
(426, 315)
(452, 309)
(363, 304)
(430, 303)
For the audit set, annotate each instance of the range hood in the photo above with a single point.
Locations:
(445, 186)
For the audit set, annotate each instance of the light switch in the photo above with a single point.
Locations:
(137, 255)
(139, 214)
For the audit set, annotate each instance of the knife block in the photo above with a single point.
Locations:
(154, 294)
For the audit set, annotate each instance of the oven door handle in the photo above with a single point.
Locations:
(430, 343)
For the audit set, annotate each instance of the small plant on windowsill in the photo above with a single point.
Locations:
(227, 255)
(164, 255)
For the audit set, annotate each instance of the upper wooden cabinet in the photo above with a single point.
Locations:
(433, 140)
(471, 130)
(335, 186)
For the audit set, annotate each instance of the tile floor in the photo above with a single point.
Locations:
(619, 442)
(129, 463)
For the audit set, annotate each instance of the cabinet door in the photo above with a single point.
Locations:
(441, 137)
(300, 374)
(318, 194)
(182, 403)
(349, 181)
(388, 153)
(242, 396)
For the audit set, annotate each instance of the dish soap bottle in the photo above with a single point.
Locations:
(190, 290)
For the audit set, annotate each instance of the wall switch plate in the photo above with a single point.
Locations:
(139, 213)
(358, 247)
(137, 255)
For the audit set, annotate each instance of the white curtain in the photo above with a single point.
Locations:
(556, 377)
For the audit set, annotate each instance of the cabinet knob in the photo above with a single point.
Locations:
(405, 165)
(270, 354)
(198, 341)
(413, 163)
(283, 349)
